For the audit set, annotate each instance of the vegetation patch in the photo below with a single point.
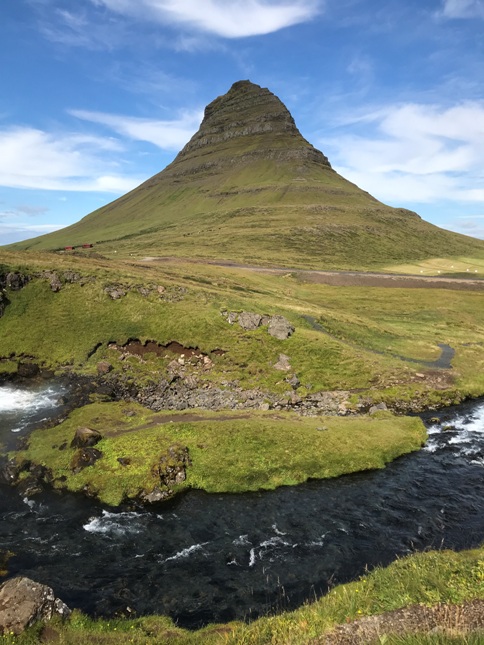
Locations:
(152, 456)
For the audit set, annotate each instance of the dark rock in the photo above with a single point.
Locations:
(16, 281)
(103, 367)
(85, 437)
(30, 486)
(124, 461)
(249, 321)
(28, 370)
(4, 301)
(280, 327)
(23, 602)
(33, 483)
(84, 457)
(9, 470)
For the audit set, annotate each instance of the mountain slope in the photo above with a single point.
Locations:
(249, 188)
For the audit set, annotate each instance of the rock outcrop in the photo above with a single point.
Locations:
(277, 326)
(83, 458)
(23, 602)
(254, 115)
(85, 438)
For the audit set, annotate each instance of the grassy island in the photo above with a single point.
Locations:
(143, 451)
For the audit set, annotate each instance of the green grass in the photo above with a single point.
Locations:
(259, 451)
(367, 328)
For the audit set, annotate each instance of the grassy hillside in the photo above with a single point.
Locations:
(346, 338)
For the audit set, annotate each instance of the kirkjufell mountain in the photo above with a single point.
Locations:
(249, 188)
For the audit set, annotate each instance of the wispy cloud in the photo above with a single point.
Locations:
(470, 225)
(79, 26)
(414, 152)
(225, 18)
(168, 135)
(462, 9)
(33, 158)
(13, 231)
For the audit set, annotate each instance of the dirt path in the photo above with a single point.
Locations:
(350, 278)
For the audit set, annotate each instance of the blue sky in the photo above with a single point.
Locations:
(98, 95)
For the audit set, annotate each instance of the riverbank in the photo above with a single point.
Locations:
(441, 591)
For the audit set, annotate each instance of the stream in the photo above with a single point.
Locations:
(205, 558)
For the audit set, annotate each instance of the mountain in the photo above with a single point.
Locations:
(249, 188)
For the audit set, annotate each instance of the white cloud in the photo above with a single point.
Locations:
(462, 9)
(414, 152)
(168, 135)
(33, 158)
(226, 18)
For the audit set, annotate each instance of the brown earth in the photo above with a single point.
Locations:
(416, 619)
(350, 278)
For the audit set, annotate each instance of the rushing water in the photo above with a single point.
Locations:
(22, 408)
(218, 557)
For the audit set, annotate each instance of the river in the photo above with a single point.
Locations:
(205, 558)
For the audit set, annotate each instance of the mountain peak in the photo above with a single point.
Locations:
(249, 188)
(247, 122)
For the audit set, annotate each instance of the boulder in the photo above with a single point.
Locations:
(32, 483)
(249, 321)
(280, 327)
(9, 470)
(377, 408)
(16, 281)
(84, 457)
(103, 367)
(27, 370)
(85, 437)
(24, 602)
